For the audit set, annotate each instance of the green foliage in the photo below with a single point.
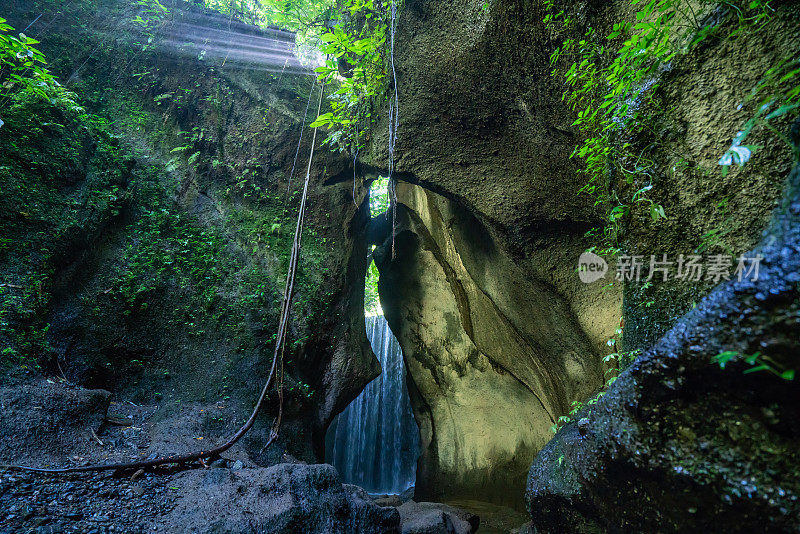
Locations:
(775, 96)
(616, 361)
(48, 146)
(165, 246)
(610, 84)
(605, 87)
(22, 68)
(372, 301)
(153, 14)
(757, 361)
(379, 196)
(356, 60)
(715, 238)
(296, 15)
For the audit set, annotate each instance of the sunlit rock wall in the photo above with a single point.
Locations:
(494, 356)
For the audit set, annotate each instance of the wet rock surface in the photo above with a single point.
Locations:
(281, 498)
(436, 518)
(679, 444)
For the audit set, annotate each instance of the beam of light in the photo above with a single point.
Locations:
(218, 40)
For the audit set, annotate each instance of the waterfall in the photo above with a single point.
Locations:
(374, 442)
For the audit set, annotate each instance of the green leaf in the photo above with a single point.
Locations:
(322, 120)
(657, 212)
(753, 358)
(788, 375)
(724, 357)
(783, 110)
(789, 75)
(755, 369)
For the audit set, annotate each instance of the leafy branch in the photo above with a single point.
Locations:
(355, 48)
(22, 67)
(758, 362)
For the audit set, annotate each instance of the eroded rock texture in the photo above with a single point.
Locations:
(499, 334)
(680, 444)
(493, 357)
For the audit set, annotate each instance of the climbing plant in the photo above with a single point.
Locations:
(610, 81)
(616, 362)
(776, 95)
(152, 15)
(757, 361)
(356, 59)
(23, 69)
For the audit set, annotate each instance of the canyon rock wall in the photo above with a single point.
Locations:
(155, 220)
(499, 334)
(491, 224)
(493, 356)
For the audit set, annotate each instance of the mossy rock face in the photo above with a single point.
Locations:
(155, 228)
(683, 444)
(695, 113)
(64, 181)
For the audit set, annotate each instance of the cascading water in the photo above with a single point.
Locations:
(374, 442)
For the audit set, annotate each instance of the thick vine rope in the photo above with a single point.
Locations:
(394, 123)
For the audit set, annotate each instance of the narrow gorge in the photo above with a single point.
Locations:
(525, 266)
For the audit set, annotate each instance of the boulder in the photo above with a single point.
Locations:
(436, 518)
(679, 444)
(281, 498)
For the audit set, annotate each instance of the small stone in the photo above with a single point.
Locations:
(238, 464)
(39, 521)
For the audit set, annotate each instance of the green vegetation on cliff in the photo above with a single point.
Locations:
(611, 83)
(105, 208)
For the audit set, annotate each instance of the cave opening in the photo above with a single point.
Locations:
(374, 441)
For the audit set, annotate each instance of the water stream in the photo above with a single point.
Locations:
(374, 442)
